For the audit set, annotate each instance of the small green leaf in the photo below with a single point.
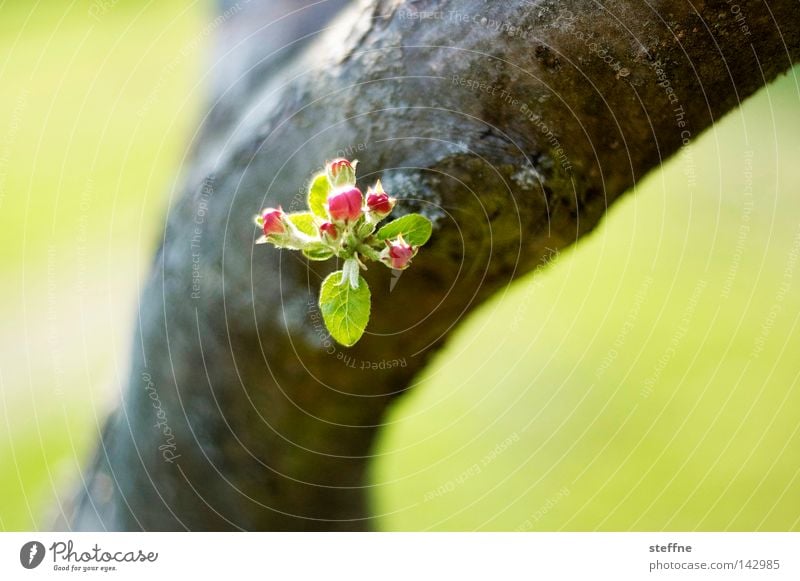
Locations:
(345, 310)
(415, 228)
(304, 221)
(318, 195)
(318, 251)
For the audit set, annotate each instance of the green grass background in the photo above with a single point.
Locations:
(537, 416)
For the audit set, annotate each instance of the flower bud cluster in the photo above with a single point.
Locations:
(348, 225)
(347, 228)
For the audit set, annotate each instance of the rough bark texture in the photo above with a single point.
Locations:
(514, 141)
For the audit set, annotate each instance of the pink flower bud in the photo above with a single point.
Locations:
(345, 204)
(341, 173)
(273, 221)
(397, 254)
(379, 203)
(328, 231)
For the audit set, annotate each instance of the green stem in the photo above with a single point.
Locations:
(369, 252)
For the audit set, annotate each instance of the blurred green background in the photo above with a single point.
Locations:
(646, 380)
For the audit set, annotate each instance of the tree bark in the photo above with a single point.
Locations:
(512, 125)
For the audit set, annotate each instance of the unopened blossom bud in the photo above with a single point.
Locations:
(328, 231)
(273, 221)
(345, 204)
(397, 254)
(341, 173)
(378, 202)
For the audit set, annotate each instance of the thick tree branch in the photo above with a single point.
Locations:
(512, 125)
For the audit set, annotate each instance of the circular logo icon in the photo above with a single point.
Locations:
(31, 554)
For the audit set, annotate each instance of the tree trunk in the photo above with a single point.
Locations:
(512, 125)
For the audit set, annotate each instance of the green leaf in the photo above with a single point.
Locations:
(304, 221)
(318, 251)
(415, 228)
(318, 195)
(345, 310)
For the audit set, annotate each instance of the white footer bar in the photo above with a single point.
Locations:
(401, 556)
